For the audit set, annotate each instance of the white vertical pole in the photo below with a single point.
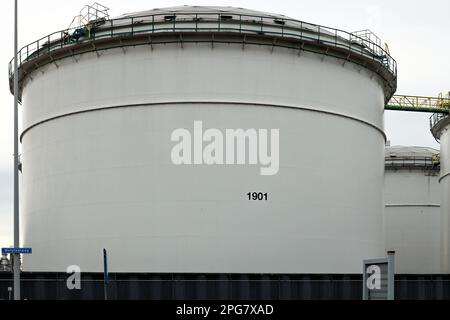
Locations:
(16, 260)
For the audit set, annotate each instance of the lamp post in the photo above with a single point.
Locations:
(16, 260)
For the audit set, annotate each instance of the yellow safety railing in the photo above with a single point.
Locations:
(419, 104)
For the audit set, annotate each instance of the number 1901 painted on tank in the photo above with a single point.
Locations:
(257, 196)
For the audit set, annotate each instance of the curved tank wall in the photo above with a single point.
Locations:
(441, 131)
(97, 169)
(412, 213)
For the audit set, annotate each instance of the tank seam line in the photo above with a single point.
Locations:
(201, 102)
(412, 205)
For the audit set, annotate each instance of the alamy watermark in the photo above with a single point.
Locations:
(228, 147)
(373, 282)
(74, 279)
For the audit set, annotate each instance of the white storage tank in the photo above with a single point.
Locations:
(412, 213)
(105, 113)
(440, 127)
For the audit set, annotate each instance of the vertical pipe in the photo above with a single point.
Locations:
(16, 267)
(391, 275)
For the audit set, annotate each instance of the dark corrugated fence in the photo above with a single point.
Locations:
(39, 286)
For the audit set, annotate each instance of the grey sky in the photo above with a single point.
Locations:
(414, 30)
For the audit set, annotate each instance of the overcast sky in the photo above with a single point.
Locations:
(416, 32)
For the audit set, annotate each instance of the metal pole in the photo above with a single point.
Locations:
(105, 290)
(365, 288)
(391, 275)
(16, 267)
(105, 273)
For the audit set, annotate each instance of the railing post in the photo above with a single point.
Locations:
(349, 41)
(362, 48)
(219, 20)
(196, 22)
(153, 24)
(112, 28)
(132, 26)
(240, 23)
(48, 43)
(301, 30)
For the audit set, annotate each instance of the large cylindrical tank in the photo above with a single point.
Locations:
(101, 115)
(440, 127)
(412, 214)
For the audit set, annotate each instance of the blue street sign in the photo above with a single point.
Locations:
(17, 250)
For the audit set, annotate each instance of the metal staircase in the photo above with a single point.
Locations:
(89, 16)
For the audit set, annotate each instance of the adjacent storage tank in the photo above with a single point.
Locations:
(412, 213)
(440, 127)
(100, 115)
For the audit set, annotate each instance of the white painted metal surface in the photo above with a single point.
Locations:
(412, 213)
(97, 171)
(441, 131)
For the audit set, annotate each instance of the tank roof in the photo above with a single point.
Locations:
(410, 151)
(202, 9)
(411, 157)
(203, 24)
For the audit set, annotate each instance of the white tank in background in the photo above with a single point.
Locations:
(412, 213)
(440, 127)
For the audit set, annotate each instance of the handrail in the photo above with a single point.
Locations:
(411, 161)
(208, 22)
(420, 104)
